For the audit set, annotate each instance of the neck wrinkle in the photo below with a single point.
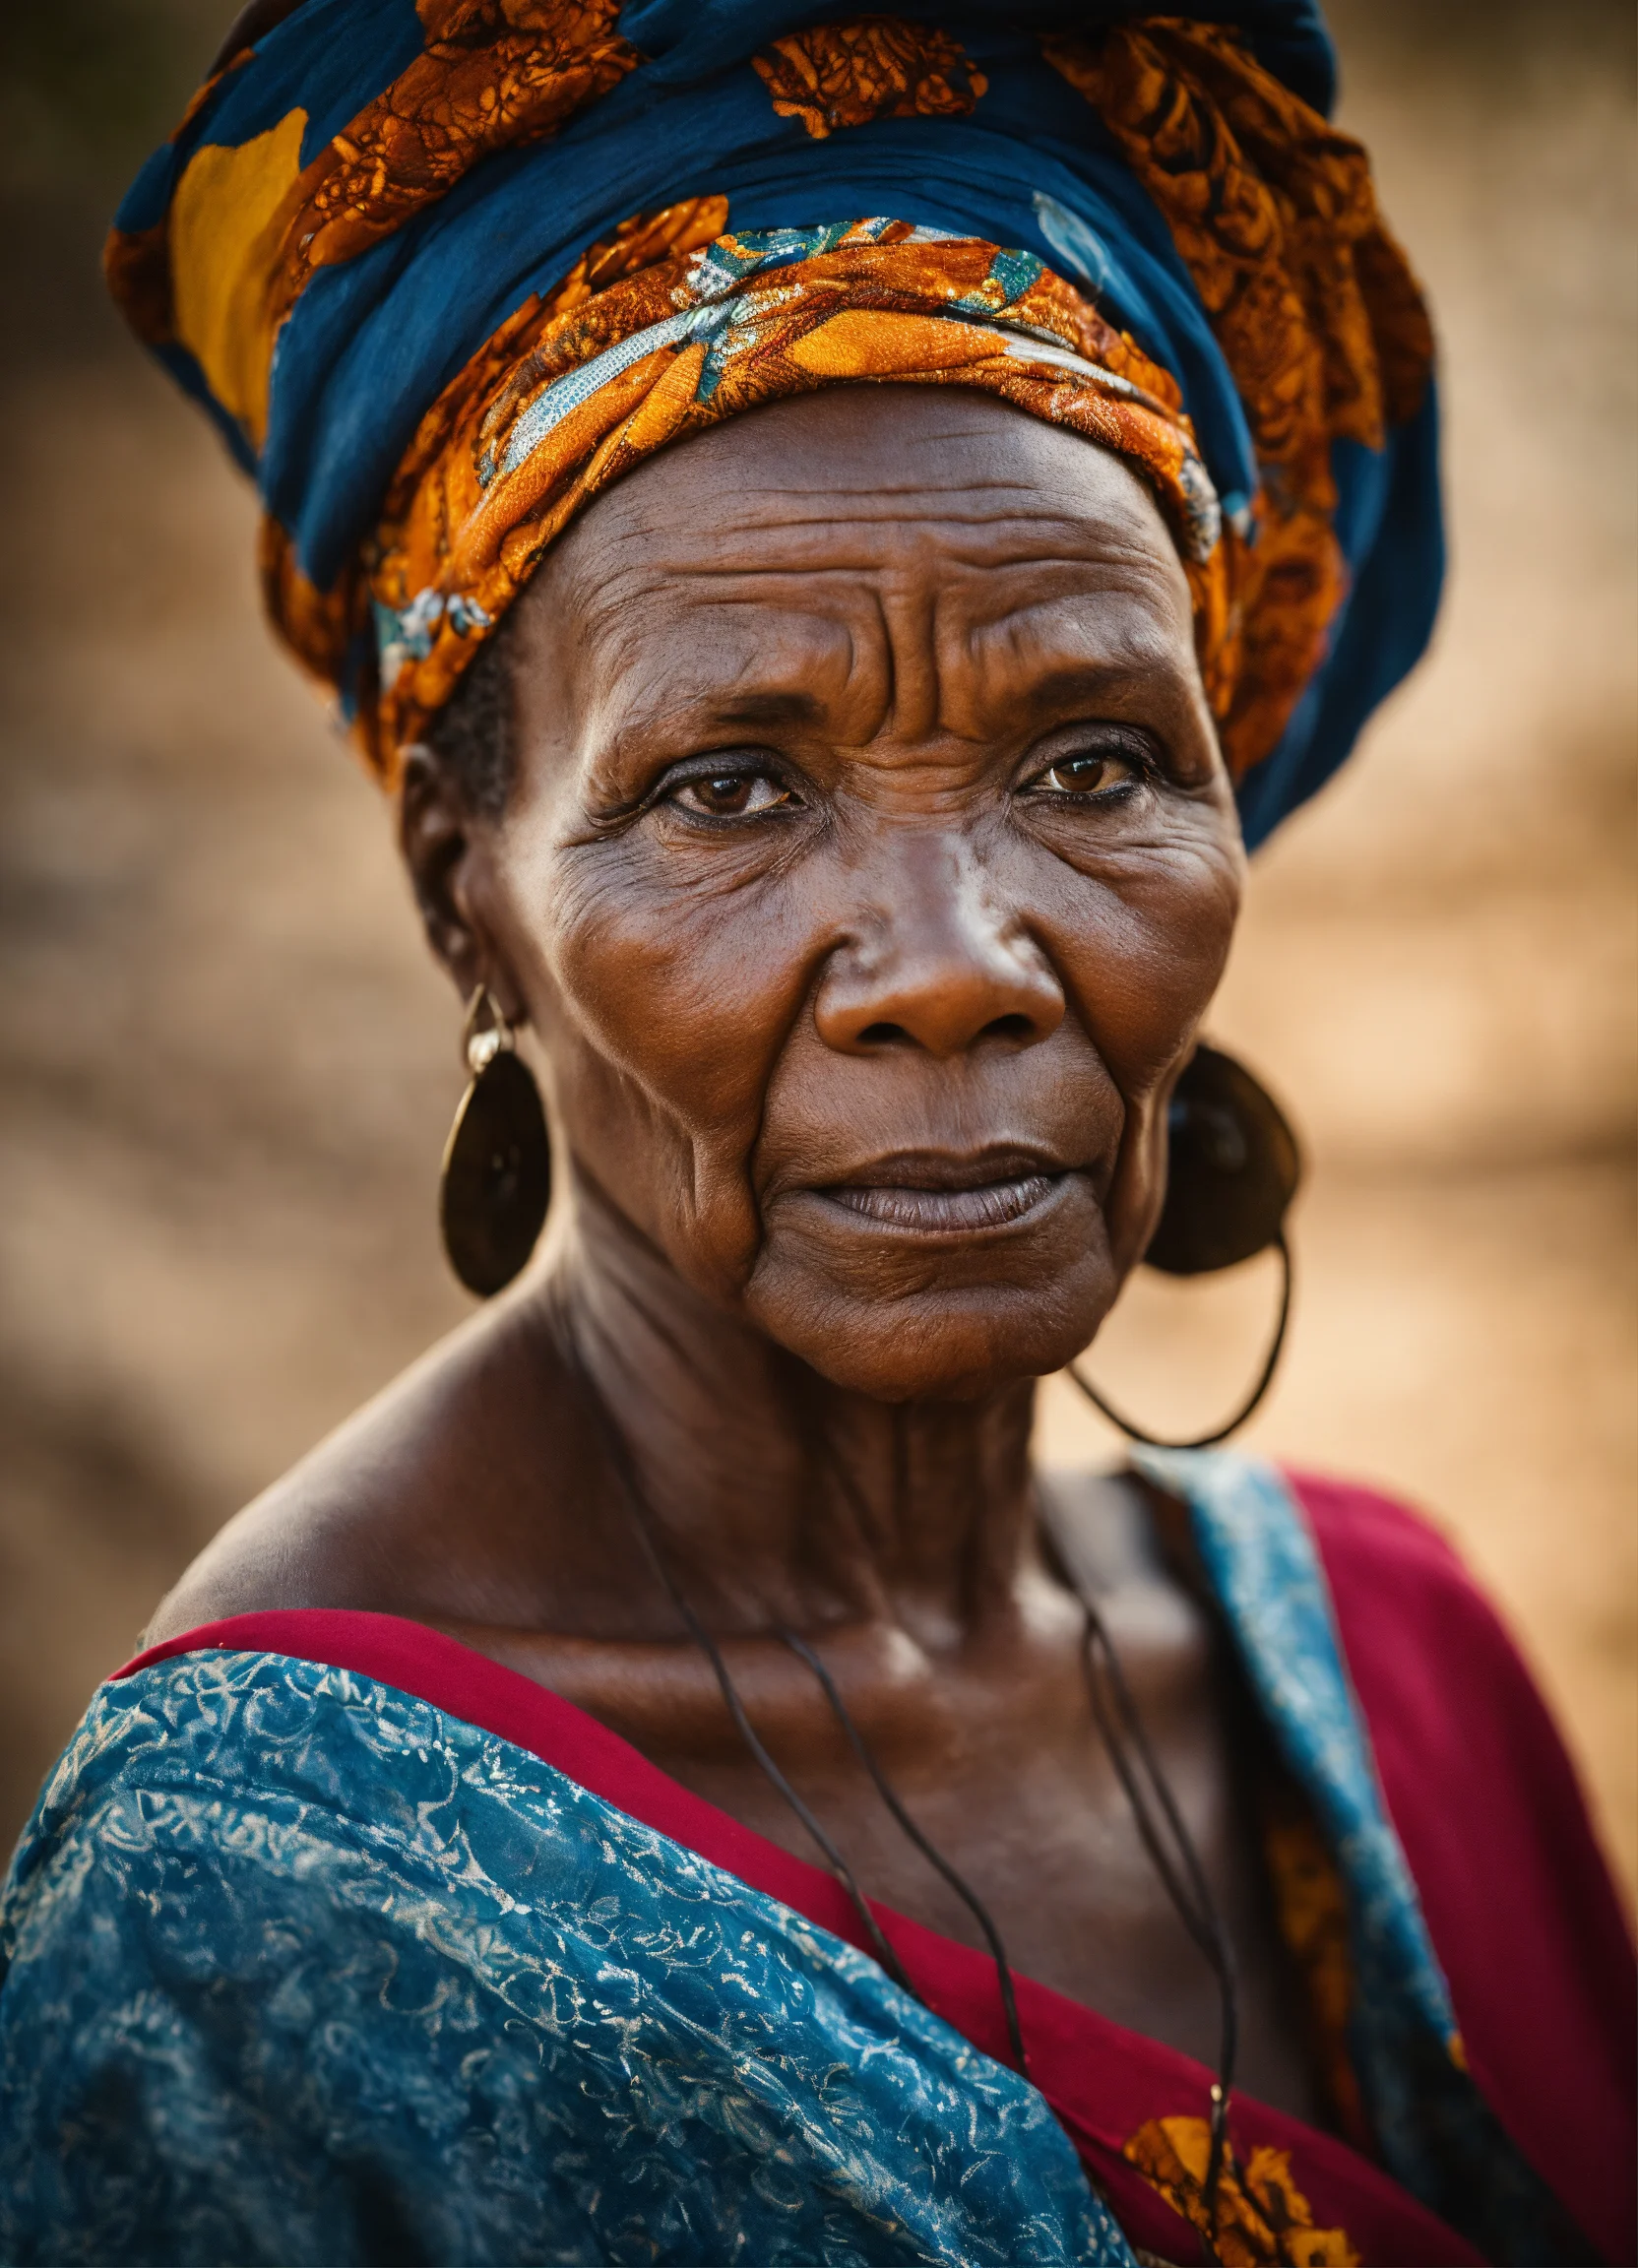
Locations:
(777, 1496)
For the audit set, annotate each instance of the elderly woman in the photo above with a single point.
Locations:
(834, 535)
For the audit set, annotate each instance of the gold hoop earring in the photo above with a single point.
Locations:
(496, 1179)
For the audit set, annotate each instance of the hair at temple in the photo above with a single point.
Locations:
(474, 737)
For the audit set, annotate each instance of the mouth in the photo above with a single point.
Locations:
(927, 1195)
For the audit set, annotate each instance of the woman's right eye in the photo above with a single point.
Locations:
(730, 795)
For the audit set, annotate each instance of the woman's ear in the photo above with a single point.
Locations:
(438, 834)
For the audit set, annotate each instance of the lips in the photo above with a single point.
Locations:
(929, 1195)
(938, 1211)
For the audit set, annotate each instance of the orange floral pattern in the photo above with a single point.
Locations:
(1269, 207)
(875, 67)
(1311, 1909)
(136, 266)
(1312, 302)
(493, 73)
(1263, 2220)
(319, 626)
(573, 391)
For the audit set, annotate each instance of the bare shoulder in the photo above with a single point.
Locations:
(417, 1505)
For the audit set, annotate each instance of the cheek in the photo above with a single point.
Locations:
(1146, 956)
(662, 1014)
(1142, 965)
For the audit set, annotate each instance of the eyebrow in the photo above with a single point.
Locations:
(769, 708)
(1067, 685)
(1072, 682)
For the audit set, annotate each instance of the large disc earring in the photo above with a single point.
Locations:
(1232, 1169)
(496, 1181)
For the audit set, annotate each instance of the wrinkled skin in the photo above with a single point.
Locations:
(941, 776)
(868, 870)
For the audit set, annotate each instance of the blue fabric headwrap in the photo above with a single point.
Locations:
(370, 341)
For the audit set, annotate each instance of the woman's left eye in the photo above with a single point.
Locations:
(730, 795)
(1091, 772)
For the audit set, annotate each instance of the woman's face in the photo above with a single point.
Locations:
(869, 863)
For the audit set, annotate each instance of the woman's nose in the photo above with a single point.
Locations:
(943, 969)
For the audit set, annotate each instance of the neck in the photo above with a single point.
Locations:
(776, 1495)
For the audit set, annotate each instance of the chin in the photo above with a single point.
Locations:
(929, 1339)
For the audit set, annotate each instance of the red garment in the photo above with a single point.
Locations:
(1524, 1916)
(1517, 1899)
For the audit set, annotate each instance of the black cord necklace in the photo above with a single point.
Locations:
(1178, 1866)
(647, 1527)
(1265, 1376)
(1161, 1825)
(928, 1850)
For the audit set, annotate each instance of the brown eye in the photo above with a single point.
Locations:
(1091, 772)
(731, 795)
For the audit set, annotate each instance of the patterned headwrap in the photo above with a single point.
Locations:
(442, 270)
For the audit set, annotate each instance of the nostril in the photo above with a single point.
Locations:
(884, 1036)
(1017, 1028)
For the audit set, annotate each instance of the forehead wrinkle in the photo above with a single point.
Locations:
(1062, 629)
(627, 593)
(835, 507)
(786, 484)
(641, 511)
(1109, 582)
(618, 614)
(620, 620)
(1056, 649)
(612, 582)
(910, 547)
(631, 514)
(726, 679)
(621, 625)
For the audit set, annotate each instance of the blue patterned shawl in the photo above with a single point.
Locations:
(300, 1967)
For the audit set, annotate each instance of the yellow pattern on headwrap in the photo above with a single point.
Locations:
(673, 322)
(226, 221)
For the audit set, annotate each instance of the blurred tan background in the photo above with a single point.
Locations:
(228, 1066)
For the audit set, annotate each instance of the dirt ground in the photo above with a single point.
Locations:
(228, 1066)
